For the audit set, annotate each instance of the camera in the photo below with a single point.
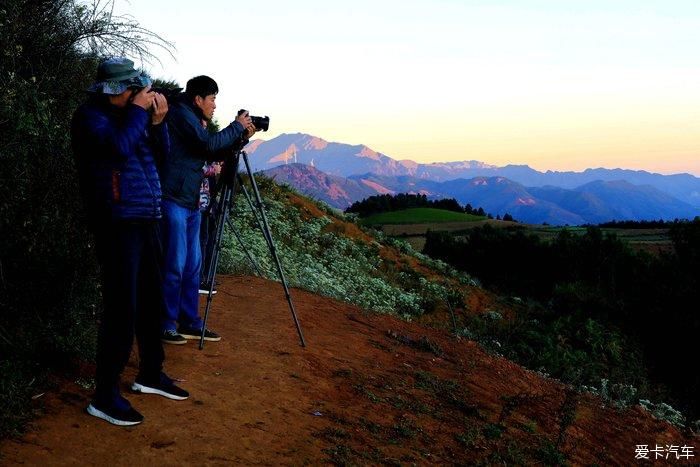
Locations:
(260, 123)
(169, 93)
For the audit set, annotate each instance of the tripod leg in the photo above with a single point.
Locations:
(254, 211)
(271, 244)
(215, 262)
(226, 197)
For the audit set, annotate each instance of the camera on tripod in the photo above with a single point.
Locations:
(260, 123)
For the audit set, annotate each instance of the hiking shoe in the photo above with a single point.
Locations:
(190, 333)
(116, 416)
(204, 289)
(164, 387)
(172, 337)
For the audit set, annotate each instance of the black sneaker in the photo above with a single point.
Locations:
(190, 333)
(116, 416)
(172, 337)
(204, 289)
(165, 387)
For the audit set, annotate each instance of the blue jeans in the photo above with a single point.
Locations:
(183, 261)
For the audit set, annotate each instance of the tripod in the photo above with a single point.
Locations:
(230, 182)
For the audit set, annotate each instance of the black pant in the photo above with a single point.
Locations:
(129, 255)
(207, 237)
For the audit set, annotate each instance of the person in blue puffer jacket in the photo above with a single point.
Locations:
(116, 136)
(181, 174)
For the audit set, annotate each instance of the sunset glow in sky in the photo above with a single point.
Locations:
(560, 85)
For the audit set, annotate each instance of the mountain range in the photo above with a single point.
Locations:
(340, 174)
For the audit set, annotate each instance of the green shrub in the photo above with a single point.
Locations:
(48, 275)
(664, 411)
(325, 262)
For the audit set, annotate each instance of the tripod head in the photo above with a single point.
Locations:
(230, 169)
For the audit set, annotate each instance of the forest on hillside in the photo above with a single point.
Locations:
(592, 309)
(386, 203)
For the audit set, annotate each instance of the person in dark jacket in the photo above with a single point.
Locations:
(115, 140)
(192, 146)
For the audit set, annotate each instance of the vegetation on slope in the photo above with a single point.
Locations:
(48, 297)
(320, 254)
(591, 311)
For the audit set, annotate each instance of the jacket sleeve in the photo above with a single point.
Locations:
(119, 141)
(207, 146)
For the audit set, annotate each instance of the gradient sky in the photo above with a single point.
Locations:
(561, 85)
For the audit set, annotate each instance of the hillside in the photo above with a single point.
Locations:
(336, 191)
(368, 389)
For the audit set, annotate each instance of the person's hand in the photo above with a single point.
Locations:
(144, 98)
(216, 166)
(250, 131)
(160, 108)
(244, 119)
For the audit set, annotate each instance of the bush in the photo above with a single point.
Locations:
(664, 411)
(324, 262)
(48, 276)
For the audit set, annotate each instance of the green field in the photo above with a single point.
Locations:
(419, 216)
(412, 226)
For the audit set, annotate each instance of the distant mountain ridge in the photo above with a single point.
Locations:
(345, 159)
(592, 203)
(350, 160)
(340, 174)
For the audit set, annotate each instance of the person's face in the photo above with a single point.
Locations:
(206, 104)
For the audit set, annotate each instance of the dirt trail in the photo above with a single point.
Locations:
(368, 389)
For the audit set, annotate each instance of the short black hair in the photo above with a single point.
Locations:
(201, 86)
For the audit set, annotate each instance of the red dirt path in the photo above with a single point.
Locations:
(368, 389)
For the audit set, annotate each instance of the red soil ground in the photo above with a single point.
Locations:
(367, 389)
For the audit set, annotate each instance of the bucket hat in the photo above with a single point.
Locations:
(116, 75)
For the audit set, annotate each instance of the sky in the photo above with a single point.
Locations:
(556, 85)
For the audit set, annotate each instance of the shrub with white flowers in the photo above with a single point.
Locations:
(325, 262)
(664, 411)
